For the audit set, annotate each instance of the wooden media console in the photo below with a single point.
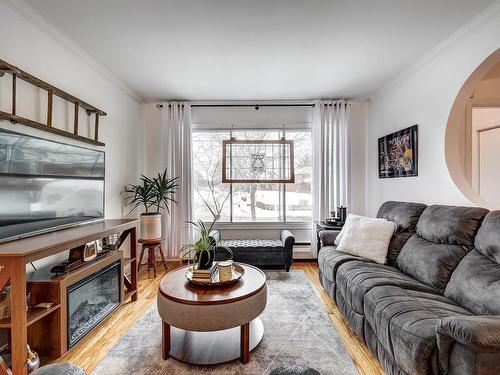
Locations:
(46, 329)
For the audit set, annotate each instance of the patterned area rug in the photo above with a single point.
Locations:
(298, 333)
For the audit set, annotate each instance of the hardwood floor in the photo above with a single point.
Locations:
(94, 347)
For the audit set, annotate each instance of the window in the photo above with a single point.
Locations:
(270, 202)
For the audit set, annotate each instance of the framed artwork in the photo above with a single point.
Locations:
(398, 154)
(259, 161)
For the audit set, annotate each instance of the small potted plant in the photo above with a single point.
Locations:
(202, 251)
(153, 195)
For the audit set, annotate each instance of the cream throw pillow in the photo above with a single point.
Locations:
(351, 218)
(366, 237)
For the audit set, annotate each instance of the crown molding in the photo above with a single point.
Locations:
(22, 8)
(431, 55)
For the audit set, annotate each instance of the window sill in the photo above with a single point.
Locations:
(264, 225)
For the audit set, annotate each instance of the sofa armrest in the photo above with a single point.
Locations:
(480, 333)
(469, 344)
(328, 236)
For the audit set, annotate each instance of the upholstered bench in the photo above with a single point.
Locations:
(260, 252)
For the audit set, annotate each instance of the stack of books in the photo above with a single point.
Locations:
(205, 274)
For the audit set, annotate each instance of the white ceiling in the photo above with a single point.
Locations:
(257, 50)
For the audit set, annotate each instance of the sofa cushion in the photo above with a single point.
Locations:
(356, 278)
(451, 225)
(330, 259)
(444, 236)
(405, 215)
(428, 262)
(328, 285)
(404, 322)
(475, 284)
(487, 240)
(356, 320)
(386, 361)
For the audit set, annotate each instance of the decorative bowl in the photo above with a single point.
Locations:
(238, 272)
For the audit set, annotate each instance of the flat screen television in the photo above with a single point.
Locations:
(47, 185)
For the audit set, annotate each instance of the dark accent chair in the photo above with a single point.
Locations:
(434, 308)
(258, 252)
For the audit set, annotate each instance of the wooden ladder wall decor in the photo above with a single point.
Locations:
(51, 91)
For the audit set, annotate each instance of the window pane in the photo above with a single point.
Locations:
(207, 175)
(257, 202)
(298, 195)
(250, 202)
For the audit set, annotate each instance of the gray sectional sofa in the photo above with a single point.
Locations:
(434, 308)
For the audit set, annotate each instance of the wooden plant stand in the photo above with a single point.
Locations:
(45, 330)
(150, 246)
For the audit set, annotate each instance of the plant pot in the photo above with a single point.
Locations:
(151, 226)
(205, 262)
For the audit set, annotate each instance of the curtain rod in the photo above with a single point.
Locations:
(256, 106)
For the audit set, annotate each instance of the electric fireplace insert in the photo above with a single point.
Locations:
(92, 299)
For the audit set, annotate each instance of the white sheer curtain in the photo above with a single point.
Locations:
(177, 158)
(331, 172)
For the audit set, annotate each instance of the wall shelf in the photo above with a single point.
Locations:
(17, 73)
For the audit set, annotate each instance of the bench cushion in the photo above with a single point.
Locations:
(242, 245)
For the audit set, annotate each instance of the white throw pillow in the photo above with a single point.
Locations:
(348, 223)
(367, 237)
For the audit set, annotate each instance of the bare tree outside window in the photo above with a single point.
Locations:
(210, 194)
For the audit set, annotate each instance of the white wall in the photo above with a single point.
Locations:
(484, 154)
(424, 95)
(265, 116)
(40, 54)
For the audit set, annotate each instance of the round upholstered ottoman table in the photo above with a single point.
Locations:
(206, 325)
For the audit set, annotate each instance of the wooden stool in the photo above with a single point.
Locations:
(151, 246)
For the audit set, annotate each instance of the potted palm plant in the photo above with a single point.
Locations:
(153, 195)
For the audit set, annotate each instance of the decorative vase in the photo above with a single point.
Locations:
(225, 270)
(151, 226)
(205, 262)
(33, 361)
